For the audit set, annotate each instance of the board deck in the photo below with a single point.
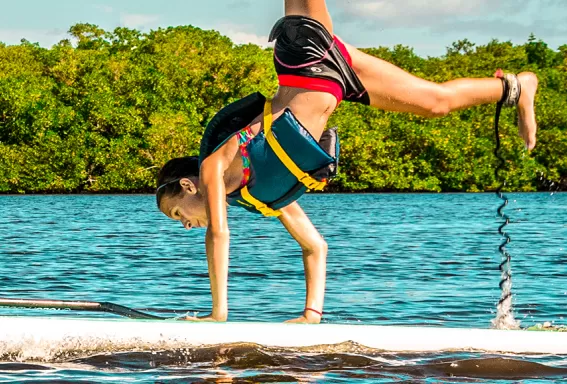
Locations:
(127, 333)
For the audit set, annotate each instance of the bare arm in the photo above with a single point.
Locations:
(213, 188)
(314, 259)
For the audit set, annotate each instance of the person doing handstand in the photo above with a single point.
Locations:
(262, 154)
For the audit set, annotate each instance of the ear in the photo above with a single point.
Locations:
(189, 185)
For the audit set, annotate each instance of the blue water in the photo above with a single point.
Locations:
(427, 259)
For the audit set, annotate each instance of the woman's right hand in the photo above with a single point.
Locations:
(305, 320)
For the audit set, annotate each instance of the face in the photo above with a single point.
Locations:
(188, 207)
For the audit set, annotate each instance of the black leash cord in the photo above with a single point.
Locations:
(506, 257)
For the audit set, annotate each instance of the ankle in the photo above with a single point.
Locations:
(511, 88)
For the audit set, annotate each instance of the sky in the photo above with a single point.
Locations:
(428, 26)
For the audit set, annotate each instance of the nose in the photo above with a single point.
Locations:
(186, 224)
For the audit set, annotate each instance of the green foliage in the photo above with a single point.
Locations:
(105, 114)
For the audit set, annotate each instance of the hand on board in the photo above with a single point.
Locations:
(305, 320)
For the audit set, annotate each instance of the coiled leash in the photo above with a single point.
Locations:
(510, 97)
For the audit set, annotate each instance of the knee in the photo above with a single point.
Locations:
(323, 247)
(439, 104)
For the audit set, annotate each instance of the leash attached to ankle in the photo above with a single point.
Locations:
(511, 88)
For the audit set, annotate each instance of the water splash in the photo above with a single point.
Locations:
(553, 186)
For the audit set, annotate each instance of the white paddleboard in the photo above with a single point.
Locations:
(31, 334)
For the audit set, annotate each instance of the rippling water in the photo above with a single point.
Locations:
(393, 259)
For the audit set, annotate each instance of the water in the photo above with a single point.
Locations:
(426, 259)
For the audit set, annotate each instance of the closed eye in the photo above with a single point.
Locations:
(175, 215)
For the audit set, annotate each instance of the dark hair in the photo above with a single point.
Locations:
(173, 171)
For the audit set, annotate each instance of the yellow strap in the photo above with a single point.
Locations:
(303, 177)
(261, 207)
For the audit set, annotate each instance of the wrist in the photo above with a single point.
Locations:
(312, 315)
(219, 315)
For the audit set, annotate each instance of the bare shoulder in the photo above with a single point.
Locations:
(222, 159)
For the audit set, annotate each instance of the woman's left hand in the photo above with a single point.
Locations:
(305, 320)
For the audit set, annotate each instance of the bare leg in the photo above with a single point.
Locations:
(526, 112)
(391, 88)
(315, 9)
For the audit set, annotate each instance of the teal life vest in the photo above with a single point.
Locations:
(285, 159)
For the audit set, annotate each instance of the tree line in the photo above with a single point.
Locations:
(103, 113)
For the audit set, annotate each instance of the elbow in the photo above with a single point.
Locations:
(319, 247)
(218, 234)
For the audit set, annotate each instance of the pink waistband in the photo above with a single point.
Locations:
(313, 84)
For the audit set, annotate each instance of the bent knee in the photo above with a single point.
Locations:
(439, 104)
(439, 110)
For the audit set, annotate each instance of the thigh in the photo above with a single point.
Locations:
(393, 89)
(315, 9)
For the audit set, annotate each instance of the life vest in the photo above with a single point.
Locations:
(286, 160)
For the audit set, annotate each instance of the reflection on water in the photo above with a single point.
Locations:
(241, 363)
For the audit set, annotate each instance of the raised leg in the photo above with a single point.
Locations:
(315, 9)
(393, 89)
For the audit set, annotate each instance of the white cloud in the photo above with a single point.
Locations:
(501, 19)
(238, 35)
(135, 21)
(45, 37)
(412, 12)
